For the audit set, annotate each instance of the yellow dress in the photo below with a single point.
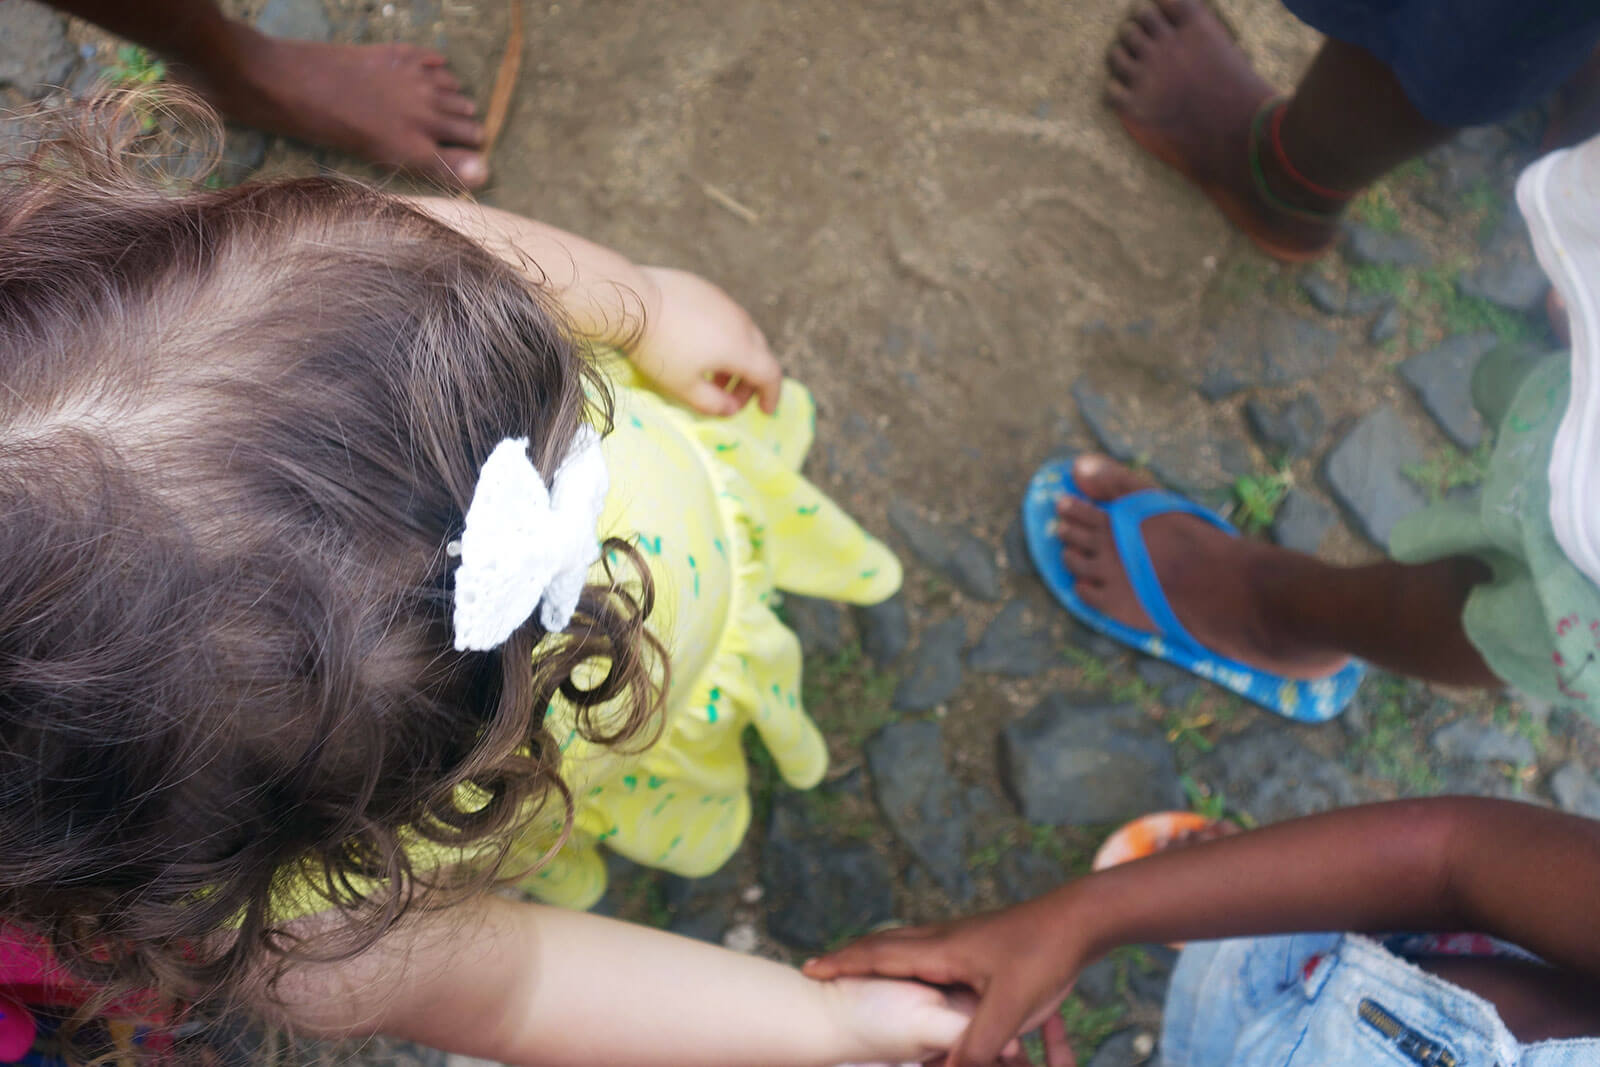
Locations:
(723, 518)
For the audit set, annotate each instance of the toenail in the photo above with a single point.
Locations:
(1090, 465)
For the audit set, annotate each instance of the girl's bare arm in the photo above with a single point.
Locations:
(683, 333)
(524, 984)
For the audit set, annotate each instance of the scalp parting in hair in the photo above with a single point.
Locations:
(237, 429)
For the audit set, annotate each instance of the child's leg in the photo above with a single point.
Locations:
(1189, 95)
(1272, 608)
(394, 104)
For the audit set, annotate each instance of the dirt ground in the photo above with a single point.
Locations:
(938, 204)
(924, 205)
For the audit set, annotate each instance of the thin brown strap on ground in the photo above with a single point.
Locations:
(505, 80)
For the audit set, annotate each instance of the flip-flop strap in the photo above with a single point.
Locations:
(1127, 516)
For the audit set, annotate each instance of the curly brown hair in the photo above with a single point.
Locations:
(237, 430)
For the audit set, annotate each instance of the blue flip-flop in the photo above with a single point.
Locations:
(1316, 700)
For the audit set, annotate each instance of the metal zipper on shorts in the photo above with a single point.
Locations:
(1414, 1046)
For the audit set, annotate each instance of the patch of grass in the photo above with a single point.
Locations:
(646, 902)
(848, 696)
(134, 67)
(1480, 198)
(1203, 800)
(1258, 496)
(987, 857)
(1482, 202)
(763, 775)
(1378, 210)
(1071, 849)
(1088, 1028)
(1523, 724)
(1389, 748)
(1416, 335)
(850, 818)
(1450, 468)
(1183, 728)
(1457, 312)
(1096, 672)
(137, 69)
(1410, 170)
(1133, 691)
(1383, 278)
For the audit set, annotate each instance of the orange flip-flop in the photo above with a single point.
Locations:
(1147, 835)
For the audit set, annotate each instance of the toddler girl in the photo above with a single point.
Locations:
(306, 628)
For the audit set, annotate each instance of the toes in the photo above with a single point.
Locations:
(450, 130)
(455, 104)
(1080, 563)
(1151, 19)
(1176, 12)
(1132, 37)
(1101, 478)
(1118, 97)
(1122, 63)
(1094, 593)
(444, 81)
(459, 167)
(1082, 524)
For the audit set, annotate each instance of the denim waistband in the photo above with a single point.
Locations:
(1324, 1000)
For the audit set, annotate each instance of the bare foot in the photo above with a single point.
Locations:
(1207, 574)
(394, 104)
(1187, 94)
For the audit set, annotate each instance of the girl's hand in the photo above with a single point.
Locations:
(894, 1023)
(1021, 963)
(702, 349)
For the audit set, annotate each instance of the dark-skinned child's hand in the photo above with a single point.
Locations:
(1021, 963)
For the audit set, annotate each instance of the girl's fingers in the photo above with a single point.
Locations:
(999, 1018)
(1057, 1049)
(706, 398)
(759, 368)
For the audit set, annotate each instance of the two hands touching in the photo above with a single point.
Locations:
(1008, 974)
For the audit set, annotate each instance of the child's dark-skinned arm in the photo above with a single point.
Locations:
(1520, 872)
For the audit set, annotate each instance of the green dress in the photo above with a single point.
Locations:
(1537, 620)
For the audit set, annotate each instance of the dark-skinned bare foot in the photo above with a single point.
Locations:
(394, 104)
(1208, 576)
(1187, 94)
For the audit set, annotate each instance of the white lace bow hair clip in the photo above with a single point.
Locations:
(523, 547)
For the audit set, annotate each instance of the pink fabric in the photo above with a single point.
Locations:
(30, 975)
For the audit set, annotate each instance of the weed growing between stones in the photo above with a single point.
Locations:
(1378, 210)
(646, 902)
(1258, 496)
(850, 817)
(1524, 723)
(1456, 312)
(849, 698)
(1390, 747)
(135, 68)
(1450, 468)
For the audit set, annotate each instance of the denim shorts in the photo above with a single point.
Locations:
(1333, 1000)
